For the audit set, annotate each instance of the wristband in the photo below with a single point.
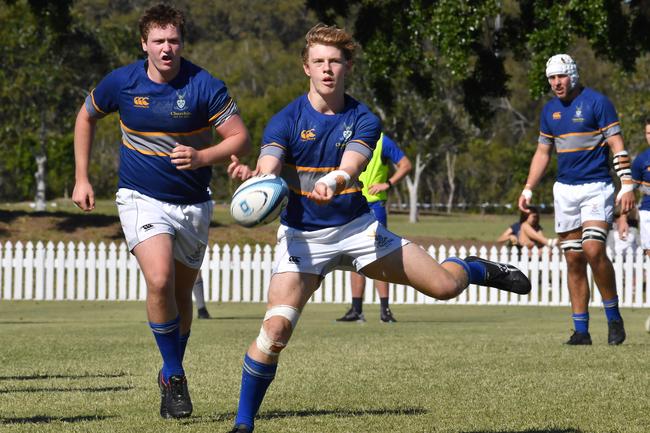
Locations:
(390, 184)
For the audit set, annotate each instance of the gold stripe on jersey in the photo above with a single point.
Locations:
(225, 109)
(316, 169)
(274, 144)
(363, 143)
(610, 125)
(160, 134)
(580, 149)
(307, 193)
(92, 99)
(143, 151)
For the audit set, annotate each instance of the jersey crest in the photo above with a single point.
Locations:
(345, 137)
(181, 105)
(577, 117)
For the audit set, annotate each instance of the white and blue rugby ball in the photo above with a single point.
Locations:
(259, 200)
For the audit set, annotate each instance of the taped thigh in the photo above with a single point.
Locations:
(266, 344)
(594, 234)
(571, 246)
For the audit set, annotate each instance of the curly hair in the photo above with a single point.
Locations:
(161, 15)
(329, 35)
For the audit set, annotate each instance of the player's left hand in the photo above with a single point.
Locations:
(378, 187)
(321, 194)
(185, 158)
(626, 201)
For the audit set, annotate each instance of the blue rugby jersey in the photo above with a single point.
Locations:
(390, 151)
(311, 144)
(641, 176)
(154, 117)
(579, 130)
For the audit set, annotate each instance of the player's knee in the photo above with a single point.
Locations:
(159, 284)
(593, 242)
(446, 285)
(276, 329)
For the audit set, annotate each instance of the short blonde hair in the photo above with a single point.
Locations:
(329, 35)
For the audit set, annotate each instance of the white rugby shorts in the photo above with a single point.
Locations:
(644, 228)
(143, 217)
(351, 247)
(575, 204)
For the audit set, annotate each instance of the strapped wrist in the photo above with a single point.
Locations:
(336, 180)
(622, 165)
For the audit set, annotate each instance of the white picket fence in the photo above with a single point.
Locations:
(234, 274)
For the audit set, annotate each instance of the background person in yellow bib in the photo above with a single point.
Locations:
(376, 184)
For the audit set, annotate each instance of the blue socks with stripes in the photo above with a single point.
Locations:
(611, 309)
(255, 380)
(476, 271)
(167, 339)
(581, 322)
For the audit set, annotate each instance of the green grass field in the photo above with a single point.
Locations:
(91, 367)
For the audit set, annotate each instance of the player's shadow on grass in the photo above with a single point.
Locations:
(98, 389)
(7, 216)
(253, 317)
(42, 419)
(534, 430)
(407, 411)
(62, 376)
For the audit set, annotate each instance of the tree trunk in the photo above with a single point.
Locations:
(39, 199)
(450, 160)
(413, 183)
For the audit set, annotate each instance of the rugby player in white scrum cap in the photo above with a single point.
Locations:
(582, 125)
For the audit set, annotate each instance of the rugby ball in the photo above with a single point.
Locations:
(259, 200)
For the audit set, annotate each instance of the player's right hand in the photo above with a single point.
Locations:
(237, 170)
(83, 196)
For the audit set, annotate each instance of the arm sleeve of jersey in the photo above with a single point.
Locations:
(606, 117)
(275, 138)
(637, 170)
(104, 98)
(221, 105)
(390, 150)
(545, 134)
(366, 135)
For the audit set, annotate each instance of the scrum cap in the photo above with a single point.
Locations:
(563, 64)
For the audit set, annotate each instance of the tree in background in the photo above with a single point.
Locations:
(46, 59)
(427, 69)
(477, 69)
(457, 83)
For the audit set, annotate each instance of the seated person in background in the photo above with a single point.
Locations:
(531, 233)
(510, 236)
(526, 232)
(625, 233)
